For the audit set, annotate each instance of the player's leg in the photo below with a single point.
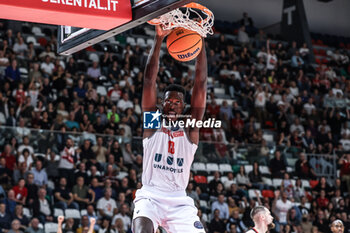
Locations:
(142, 225)
(145, 217)
(184, 219)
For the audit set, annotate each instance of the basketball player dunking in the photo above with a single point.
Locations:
(168, 153)
(263, 221)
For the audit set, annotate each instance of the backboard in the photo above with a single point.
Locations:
(72, 39)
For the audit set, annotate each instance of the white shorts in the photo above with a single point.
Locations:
(174, 211)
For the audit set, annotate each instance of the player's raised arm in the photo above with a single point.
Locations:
(199, 93)
(149, 94)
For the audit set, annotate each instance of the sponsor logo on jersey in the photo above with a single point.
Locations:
(180, 162)
(166, 168)
(151, 120)
(198, 225)
(170, 160)
(157, 157)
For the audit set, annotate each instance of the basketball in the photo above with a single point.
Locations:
(184, 45)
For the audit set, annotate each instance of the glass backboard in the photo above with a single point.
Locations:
(72, 39)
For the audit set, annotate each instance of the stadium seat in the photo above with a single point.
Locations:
(2, 118)
(205, 217)
(248, 168)
(37, 31)
(276, 182)
(313, 183)
(200, 179)
(210, 178)
(264, 170)
(58, 212)
(251, 193)
(223, 179)
(225, 168)
(131, 41)
(141, 42)
(267, 181)
(26, 212)
(51, 184)
(305, 183)
(32, 39)
(212, 167)
(203, 203)
(101, 90)
(121, 175)
(268, 193)
(72, 213)
(39, 155)
(149, 42)
(50, 227)
(94, 57)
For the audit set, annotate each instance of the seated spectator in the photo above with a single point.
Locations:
(10, 202)
(12, 73)
(243, 37)
(32, 189)
(277, 166)
(42, 208)
(297, 62)
(124, 103)
(82, 194)
(234, 219)
(64, 197)
(25, 145)
(20, 172)
(255, 177)
(322, 200)
(21, 192)
(94, 72)
(47, 66)
(294, 220)
(303, 168)
(40, 175)
(243, 179)
(34, 227)
(70, 226)
(100, 151)
(84, 224)
(124, 216)
(15, 227)
(20, 217)
(344, 162)
(9, 157)
(96, 187)
(106, 206)
(222, 206)
(5, 218)
(217, 224)
(105, 226)
(213, 183)
(26, 158)
(118, 226)
(287, 186)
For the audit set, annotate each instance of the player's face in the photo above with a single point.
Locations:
(269, 220)
(173, 104)
(337, 228)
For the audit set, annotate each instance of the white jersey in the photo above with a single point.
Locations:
(167, 159)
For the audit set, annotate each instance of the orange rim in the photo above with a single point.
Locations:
(189, 5)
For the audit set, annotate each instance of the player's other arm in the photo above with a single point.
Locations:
(149, 93)
(199, 93)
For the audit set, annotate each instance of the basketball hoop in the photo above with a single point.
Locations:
(177, 18)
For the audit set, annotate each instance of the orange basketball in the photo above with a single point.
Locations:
(184, 45)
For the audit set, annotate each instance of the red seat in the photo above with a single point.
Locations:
(200, 179)
(42, 41)
(268, 193)
(318, 61)
(313, 183)
(341, 45)
(324, 61)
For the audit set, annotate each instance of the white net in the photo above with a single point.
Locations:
(178, 18)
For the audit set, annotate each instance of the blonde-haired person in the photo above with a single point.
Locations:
(263, 221)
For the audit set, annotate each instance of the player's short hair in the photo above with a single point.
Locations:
(175, 87)
(336, 222)
(256, 210)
